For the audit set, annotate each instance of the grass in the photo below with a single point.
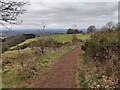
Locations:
(95, 79)
(84, 58)
(41, 62)
(25, 42)
(14, 77)
(62, 38)
(68, 37)
(82, 81)
(59, 37)
(11, 75)
(87, 80)
(15, 53)
(50, 56)
(8, 78)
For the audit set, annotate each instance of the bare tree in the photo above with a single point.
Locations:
(42, 47)
(41, 43)
(10, 11)
(108, 27)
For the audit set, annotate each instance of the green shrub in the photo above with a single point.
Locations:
(101, 45)
(102, 50)
(47, 43)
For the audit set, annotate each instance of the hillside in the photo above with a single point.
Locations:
(62, 38)
(25, 63)
(98, 64)
(14, 40)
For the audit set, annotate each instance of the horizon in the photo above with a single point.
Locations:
(8, 33)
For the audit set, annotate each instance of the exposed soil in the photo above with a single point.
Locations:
(61, 75)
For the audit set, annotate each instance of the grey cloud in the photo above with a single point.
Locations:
(67, 13)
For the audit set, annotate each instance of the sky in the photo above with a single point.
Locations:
(64, 14)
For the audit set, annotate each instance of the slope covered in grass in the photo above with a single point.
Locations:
(14, 75)
(14, 40)
(62, 38)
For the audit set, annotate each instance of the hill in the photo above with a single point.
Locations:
(14, 40)
(62, 38)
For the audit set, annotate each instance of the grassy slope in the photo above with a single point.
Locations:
(11, 77)
(67, 37)
(59, 37)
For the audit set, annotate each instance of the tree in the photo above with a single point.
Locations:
(41, 43)
(70, 31)
(43, 46)
(10, 11)
(91, 29)
(80, 31)
(108, 27)
(117, 27)
(76, 31)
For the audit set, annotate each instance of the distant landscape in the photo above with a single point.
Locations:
(84, 55)
(8, 33)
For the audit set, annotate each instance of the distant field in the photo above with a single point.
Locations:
(68, 37)
(59, 37)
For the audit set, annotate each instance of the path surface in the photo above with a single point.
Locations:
(62, 74)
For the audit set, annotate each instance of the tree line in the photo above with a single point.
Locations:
(92, 29)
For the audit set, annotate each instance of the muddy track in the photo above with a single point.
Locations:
(62, 74)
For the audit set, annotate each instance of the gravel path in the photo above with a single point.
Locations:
(62, 74)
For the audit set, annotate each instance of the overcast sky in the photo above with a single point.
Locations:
(64, 14)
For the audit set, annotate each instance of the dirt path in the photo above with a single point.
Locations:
(62, 74)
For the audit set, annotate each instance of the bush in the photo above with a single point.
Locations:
(103, 49)
(101, 45)
(46, 43)
(42, 44)
(73, 31)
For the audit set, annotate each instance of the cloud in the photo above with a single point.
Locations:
(67, 14)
